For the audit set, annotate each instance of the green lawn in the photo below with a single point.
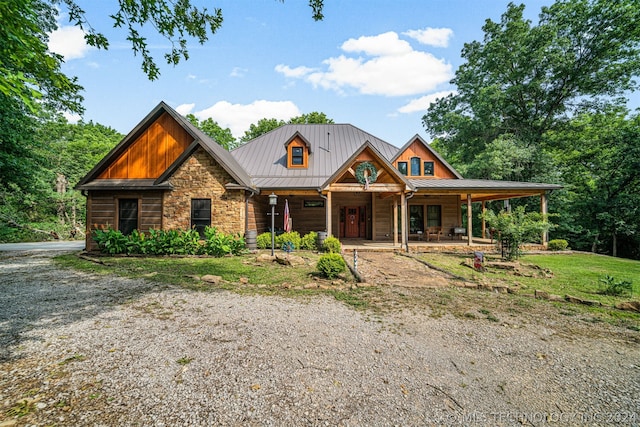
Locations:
(567, 274)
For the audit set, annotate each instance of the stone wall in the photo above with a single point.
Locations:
(200, 177)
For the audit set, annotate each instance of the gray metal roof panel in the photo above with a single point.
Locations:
(330, 145)
(479, 184)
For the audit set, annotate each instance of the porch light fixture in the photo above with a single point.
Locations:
(273, 201)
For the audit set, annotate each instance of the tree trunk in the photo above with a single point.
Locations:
(614, 249)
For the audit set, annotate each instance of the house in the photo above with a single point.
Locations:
(337, 178)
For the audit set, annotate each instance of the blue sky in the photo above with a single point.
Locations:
(375, 64)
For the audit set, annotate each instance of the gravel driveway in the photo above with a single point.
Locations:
(79, 349)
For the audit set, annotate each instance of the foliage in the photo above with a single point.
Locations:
(332, 245)
(169, 242)
(331, 265)
(267, 125)
(309, 241)
(614, 287)
(517, 227)
(263, 241)
(291, 236)
(557, 245)
(223, 137)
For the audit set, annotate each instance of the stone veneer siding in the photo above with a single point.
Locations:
(200, 177)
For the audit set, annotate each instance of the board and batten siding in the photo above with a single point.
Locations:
(417, 149)
(152, 152)
(102, 211)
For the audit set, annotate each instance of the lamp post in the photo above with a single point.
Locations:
(273, 201)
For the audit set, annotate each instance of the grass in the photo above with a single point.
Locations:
(574, 274)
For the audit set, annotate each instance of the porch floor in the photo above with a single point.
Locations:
(478, 244)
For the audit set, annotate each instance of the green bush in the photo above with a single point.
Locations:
(331, 265)
(291, 236)
(616, 288)
(332, 245)
(558, 245)
(263, 241)
(169, 242)
(309, 241)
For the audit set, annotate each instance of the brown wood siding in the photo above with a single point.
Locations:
(152, 152)
(297, 142)
(304, 220)
(383, 217)
(417, 149)
(102, 210)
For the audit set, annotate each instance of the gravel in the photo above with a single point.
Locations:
(87, 350)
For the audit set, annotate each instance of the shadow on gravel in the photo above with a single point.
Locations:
(34, 294)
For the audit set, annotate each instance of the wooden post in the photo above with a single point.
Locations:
(469, 221)
(372, 215)
(403, 218)
(484, 223)
(543, 211)
(395, 221)
(328, 211)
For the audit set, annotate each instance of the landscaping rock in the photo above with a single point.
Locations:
(265, 258)
(629, 306)
(577, 300)
(541, 294)
(210, 278)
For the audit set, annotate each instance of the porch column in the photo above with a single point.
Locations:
(372, 215)
(484, 224)
(328, 212)
(395, 220)
(403, 217)
(469, 221)
(544, 211)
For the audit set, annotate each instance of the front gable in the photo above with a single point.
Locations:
(366, 162)
(418, 160)
(150, 153)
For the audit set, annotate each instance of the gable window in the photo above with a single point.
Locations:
(428, 169)
(402, 168)
(127, 215)
(434, 216)
(415, 166)
(200, 215)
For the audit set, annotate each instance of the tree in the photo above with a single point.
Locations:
(267, 125)
(224, 137)
(31, 73)
(524, 80)
(517, 227)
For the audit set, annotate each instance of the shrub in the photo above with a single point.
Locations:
(616, 288)
(263, 241)
(309, 241)
(219, 244)
(332, 245)
(111, 241)
(331, 265)
(291, 236)
(558, 245)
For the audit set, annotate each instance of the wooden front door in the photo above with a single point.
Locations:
(352, 222)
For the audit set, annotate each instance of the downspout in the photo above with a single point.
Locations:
(405, 221)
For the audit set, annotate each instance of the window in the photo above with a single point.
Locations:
(127, 215)
(314, 203)
(415, 166)
(200, 215)
(297, 156)
(434, 216)
(402, 168)
(416, 218)
(428, 168)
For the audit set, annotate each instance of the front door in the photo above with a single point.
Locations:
(352, 222)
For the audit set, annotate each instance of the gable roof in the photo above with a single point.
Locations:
(265, 159)
(222, 156)
(379, 157)
(435, 154)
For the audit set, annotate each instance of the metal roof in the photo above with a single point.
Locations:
(331, 145)
(479, 184)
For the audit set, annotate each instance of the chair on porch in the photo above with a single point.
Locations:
(435, 232)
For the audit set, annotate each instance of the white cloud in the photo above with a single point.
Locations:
(72, 118)
(238, 117)
(238, 72)
(423, 103)
(392, 68)
(184, 109)
(438, 37)
(69, 42)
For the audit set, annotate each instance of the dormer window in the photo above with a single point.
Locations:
(298, 151)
